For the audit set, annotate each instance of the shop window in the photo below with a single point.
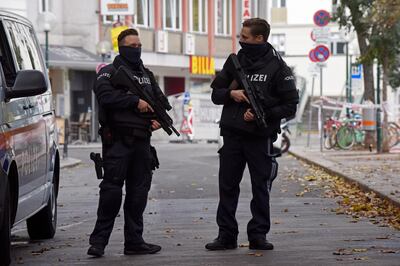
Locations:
(172, 14)
(223, 11)
(199, 85)
(198, 15)
(174, 85)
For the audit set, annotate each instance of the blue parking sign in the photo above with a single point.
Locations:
(356, 71)
(186, 98)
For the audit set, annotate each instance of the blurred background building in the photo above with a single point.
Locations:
(185, 42)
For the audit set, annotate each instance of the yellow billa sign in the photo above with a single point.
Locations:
(114, 36)
(202, 65)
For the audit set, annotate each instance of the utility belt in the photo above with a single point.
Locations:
(109, 135)
(127, 135)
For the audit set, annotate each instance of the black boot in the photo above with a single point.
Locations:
(261, 244)
(142, 249)
(96, 251)
(221, 244)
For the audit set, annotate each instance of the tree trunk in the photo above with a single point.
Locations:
(369, 91)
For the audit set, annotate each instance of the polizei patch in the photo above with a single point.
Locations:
(258, 77)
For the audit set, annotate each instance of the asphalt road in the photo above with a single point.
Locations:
(180, 216)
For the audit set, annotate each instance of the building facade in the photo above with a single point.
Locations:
(185, 42)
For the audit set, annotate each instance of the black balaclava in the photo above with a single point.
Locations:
(254, 50)
(130, 54)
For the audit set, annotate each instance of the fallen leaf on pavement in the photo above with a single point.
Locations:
(360, 249)
(361, 258)
(388, 251)
(383, 237)
(342, 251)
(255, 254)
(310, 178)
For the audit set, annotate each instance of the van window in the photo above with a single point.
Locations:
(24, 48)
(6, 58)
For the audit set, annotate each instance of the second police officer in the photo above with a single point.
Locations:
(126, 125)
(244, 142)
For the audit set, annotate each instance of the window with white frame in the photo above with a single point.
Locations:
(278, 3)
(223, 11)
(44, 5)
(142, 15)
(172, 14)
(278, 41)
(338, 45)
(111, 19)
(198, 16)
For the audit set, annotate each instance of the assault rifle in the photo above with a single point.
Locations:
(254, 95)
(124, 78)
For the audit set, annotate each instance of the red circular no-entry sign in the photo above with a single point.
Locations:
(322, 53)
(312, 57)
(322, 18)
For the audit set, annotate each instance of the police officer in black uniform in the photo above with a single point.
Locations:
(126, 125)
(244, 142)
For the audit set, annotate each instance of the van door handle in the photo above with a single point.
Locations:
(47, 114)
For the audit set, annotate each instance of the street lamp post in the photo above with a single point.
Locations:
(46, 32)
(347, 78)
(347, 37)
(45, 21)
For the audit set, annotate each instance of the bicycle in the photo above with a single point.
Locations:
(331, 127)
(350, 133)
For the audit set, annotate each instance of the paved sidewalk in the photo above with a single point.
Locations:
(373, 172)
(69, 162)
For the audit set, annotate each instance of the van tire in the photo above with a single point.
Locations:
(43, 224)
(5, 231)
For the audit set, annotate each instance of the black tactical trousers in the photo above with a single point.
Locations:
(235, 153)
(126, 160)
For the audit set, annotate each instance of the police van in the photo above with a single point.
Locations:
(29, 156)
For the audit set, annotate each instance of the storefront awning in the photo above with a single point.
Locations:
(71, 57)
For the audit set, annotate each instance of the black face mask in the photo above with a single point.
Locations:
(254, 50)
(130, 54)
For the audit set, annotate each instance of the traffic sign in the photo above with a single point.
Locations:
(356, 70)
(322, 18)
(322, 35)
(312, 35)
(186, 98)
(313, 69)
(312, 56)
(322, 53)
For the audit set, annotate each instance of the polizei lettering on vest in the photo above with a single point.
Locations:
(258, 77)
(142, 80)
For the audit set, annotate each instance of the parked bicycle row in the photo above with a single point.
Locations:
(349, 132)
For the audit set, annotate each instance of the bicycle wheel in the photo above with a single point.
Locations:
(345, 137)
(393, 135)
(327, 140)
(330, 139)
